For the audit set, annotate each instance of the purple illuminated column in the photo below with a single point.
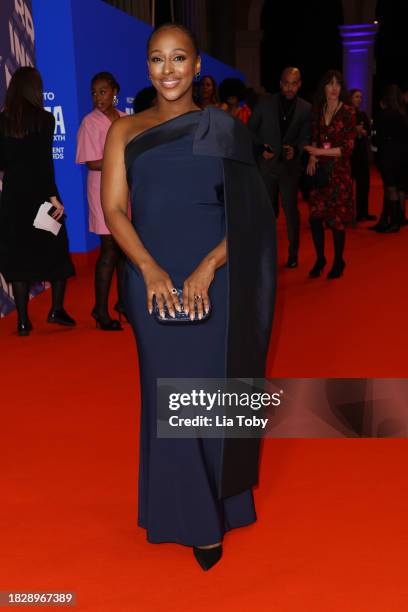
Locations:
(358, 58)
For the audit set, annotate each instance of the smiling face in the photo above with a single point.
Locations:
(356, 99)
(332, 90)
(172, 63)
(102, 95)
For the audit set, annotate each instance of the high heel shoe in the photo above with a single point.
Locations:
(207, 557)
(120, 309)
(337, 269)
(317, 269)
(24, 328)
(111, 325)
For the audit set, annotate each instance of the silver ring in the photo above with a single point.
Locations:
(174, 290)
(197, 298)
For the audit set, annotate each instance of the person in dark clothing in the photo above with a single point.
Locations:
(232, 93)
(281, 125)
(145, 98)
(360, 162)
(188, 170)
(29, 254)
(391, 126)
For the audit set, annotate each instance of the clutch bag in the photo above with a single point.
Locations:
(321, 178)
(181, 317)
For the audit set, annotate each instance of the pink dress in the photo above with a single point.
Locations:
(90, 144)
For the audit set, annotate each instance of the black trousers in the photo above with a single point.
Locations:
(361, 174)
(283, 178)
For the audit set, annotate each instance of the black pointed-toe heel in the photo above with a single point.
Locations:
(318, 268)
(24, 328)
(207, 557)
(111, 325)
(120, 309)
(60, 317)
(337, 270)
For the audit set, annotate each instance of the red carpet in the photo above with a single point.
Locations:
(332, 532)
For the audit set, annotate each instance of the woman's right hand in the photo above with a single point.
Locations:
(59, 208)
(311, 166)
(158, 284)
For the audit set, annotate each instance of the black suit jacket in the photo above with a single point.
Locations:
(265, 126)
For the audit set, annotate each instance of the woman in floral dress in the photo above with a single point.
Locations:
(331, 200)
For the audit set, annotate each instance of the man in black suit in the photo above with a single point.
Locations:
(281, 124)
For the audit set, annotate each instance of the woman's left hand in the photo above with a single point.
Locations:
(195, 289)
(57, 214)
(312, 150)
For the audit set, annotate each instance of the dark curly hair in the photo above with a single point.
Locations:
(106, 76)
(231, 87)
(144, 99)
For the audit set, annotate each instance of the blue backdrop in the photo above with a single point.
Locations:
(74, 40)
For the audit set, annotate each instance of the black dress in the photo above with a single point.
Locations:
(360, 166)
(27, 253)
(392, 143)
(193, 182)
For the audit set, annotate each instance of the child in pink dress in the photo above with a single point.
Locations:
(90, 145)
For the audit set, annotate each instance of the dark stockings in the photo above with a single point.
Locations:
(21, 292)
(395, 199)
(339, 239)
(58, 293)
(318, 237)
(110, 257)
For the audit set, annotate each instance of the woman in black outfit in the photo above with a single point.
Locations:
(392, 158)
(29, 254)
(360, 163)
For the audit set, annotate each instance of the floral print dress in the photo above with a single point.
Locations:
(334, 202)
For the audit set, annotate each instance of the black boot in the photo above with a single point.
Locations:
(384, 217)
(403, 218)
(395, 219)
(339, 239)
(316, 225)
(21, 291)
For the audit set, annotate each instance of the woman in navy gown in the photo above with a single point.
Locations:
(197, 202)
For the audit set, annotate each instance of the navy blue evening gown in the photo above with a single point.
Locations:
(178, 213)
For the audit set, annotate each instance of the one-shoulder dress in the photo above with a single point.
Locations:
(178, 212)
